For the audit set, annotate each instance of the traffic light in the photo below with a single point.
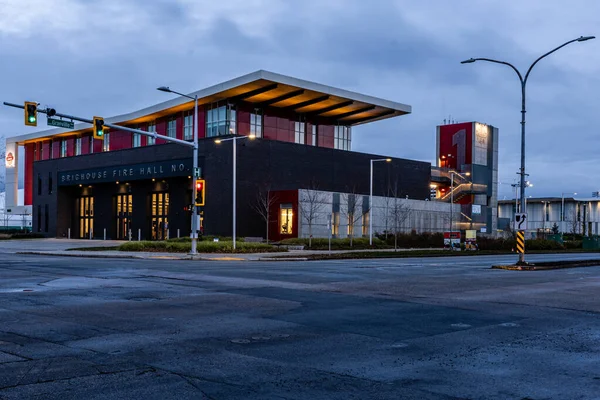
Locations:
(98, 125)
(200, 189)
(30, 113)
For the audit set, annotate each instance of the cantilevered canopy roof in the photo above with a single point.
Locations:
(265, 89)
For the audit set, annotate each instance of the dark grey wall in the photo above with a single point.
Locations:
(278, 165)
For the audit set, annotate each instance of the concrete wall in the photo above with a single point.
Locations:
(418, 215)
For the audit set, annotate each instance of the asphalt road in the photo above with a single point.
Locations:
(431, 328)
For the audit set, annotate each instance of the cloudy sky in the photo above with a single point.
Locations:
(106, 57)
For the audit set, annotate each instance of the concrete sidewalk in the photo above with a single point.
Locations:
(59, 247)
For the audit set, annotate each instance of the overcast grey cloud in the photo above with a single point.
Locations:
(107, 57)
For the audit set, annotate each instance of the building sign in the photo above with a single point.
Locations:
(10, 160)
(126, 173)
(476, 209)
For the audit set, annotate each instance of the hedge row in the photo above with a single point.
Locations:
(336, 244)
(203, 247)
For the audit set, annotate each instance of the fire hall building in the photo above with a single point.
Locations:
(130, 184)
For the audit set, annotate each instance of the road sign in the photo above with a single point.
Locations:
(521, 242)
(520, 221)
(61, 123)
(197, 172)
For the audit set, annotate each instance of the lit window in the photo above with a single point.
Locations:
(78, 146)
(172, 128)
(106, 142)
(285, 221)
(63, 148)
(151, 128)
(137, 140)
(221, 121)
(335, 227)
(256, 125)
(365, 223)
(314, 135)
(342, 138)
(188, 126)
(299, 132)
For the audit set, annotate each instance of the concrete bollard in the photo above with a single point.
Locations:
(69, 233)
(139, 235)
(177, 233)
(130, 235)
(167, 234)
(104, 233)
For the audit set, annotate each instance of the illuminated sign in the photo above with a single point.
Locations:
(10, 160)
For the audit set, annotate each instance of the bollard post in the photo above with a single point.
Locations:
(90, 234)
(69, 233)
(139, 235)
(167, 234)
(130, 235)
(104, 233)
(177, 233)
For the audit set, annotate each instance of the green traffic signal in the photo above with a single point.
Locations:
(31, 119)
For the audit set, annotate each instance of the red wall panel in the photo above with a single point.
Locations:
(46, 150)
(85, 144)
(98, 144)
(456, 141)
(28, 178)
(56, 148)
(70, 147)
(269, 133)
(270, 121)
(201, 123)
(179, 126)
(161, 129)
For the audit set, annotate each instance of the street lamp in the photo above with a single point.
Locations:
(562, 210)
(234, 140)
(371, 198)
(195, 226)
(452, 200)
(523, 110)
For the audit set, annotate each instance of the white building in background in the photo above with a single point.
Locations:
(343, 214)
(14, 217)
(581, 215)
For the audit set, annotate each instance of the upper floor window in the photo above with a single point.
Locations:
(256, 125)
(172, 128)
(221, 121)
(78, 146)
(299, 132)
(313, 135)
(137, 140)
(188, 126)
(342, 137)
(106, 142)
(63, 148)
(151, 128)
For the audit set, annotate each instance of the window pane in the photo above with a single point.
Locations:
(222, 113)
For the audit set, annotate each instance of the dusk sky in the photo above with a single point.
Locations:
(107, 57)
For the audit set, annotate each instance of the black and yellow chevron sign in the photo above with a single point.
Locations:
(521, 242)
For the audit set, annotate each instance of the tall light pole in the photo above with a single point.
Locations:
(195, 226)
(371, 198)
(562, 211)
(233, 144)
(523, 109)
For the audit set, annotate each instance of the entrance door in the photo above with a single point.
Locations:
(159, 215)
(85, 210)
(124, 209)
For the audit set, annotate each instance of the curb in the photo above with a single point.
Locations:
(547, 267)
(39, 253)
(281, 259)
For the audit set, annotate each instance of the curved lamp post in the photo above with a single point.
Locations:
(523, 110)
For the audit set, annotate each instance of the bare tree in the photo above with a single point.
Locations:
(312, 203)
(263, 203)
(353, 212)
(399, 212)
(573, 222)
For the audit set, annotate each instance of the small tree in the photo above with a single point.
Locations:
(400, 213)
(555, 229)
(311, 204)
(573, 222)
(353, 212)
(263, 203)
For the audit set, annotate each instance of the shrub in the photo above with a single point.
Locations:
(415, 240)
(573, 244)
(203, 247)
(336, 244)
(486, 243)
(543, 244)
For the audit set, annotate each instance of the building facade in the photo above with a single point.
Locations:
(467, 173)
(581, 215)
(130, 185)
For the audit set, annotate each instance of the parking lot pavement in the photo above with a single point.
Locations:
(436, 328)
